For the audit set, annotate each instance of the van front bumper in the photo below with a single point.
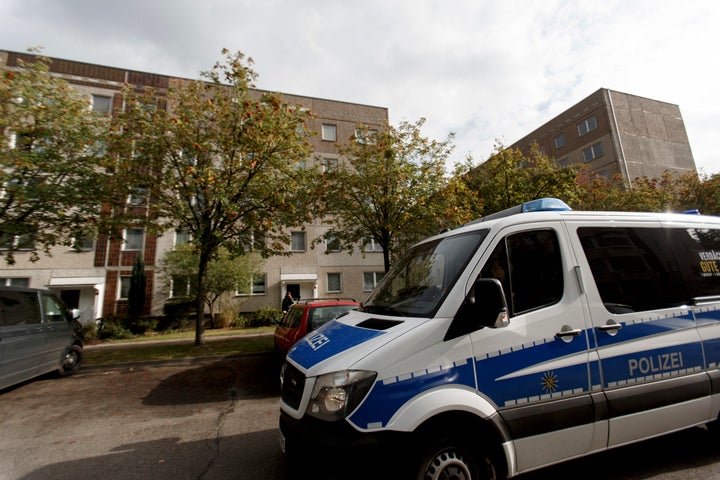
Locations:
(317, 447)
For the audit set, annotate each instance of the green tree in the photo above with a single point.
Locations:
(509, 178)
(52, 161)
(392, 187)
(221, 162)
(225, 273)
(669, 192)
(136, 293)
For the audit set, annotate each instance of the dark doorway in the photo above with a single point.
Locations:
(294, 289)
(71, 298)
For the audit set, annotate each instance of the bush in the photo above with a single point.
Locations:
(140, 325)
(89, 332)
(177, 314)
(265, 317)
(112, 328)
(179, 307)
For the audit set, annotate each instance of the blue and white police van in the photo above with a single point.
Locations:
(529, 337)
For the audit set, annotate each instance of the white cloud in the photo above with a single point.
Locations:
(484, 69)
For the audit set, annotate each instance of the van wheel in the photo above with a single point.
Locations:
(453, 458)
(71, 361)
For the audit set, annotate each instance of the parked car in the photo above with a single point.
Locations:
(37, 335)
(308, 315)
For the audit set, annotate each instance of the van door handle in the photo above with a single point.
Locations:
(611, 327)
(567, 333)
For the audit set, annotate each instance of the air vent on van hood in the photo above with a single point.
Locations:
(378, 324)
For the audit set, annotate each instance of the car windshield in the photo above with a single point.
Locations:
(418, 283)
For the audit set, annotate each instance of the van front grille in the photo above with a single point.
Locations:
(292, 386)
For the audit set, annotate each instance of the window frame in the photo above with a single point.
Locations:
(595, 151)
(125, 244)
(339, 282)
(376, 247)
(293, 247)
(376, 278)
(328, 132)
(587, 126)
(109, 98)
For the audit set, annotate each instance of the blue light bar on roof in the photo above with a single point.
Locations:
(545, 205)
(539, 205)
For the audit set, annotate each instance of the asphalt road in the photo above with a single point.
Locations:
(216, 418)
(202, 419)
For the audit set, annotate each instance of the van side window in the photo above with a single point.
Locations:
(529, 266)
(634, 268)
(698, 254)
(18, 308)
(54, 310)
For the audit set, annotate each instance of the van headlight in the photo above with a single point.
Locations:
(336, 394)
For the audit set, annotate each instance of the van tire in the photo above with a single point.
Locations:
(453, 457)
(71, 361)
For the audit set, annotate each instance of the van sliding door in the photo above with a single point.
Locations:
(650, 355)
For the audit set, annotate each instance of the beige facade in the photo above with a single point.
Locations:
(91, 279)
(617, 133)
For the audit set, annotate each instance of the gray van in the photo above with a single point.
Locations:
(37, 335)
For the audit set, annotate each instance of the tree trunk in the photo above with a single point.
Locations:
(201, 294)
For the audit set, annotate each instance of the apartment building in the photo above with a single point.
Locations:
(96, 277)
(617, 133)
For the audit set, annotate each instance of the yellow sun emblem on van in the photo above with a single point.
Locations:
(549, 382)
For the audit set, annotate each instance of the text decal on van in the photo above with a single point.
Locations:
(658, 363)
(334, 337)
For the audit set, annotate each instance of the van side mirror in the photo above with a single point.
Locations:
(488, 303)
(484, 306)
(75, 313)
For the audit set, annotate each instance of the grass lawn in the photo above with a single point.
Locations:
(180, 345)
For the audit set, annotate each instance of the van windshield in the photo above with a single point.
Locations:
(417, 284)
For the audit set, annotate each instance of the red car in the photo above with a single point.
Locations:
(306, 316)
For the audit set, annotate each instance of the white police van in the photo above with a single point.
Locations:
(532, 336)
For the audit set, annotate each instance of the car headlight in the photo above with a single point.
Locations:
(336, 394)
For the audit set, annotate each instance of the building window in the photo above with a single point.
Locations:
(124, 287)
(297, 241)
(329, 132)
(330, 165)
(588, 125)
(560, 140)
(563, 162)
(332, 243)
(334, 283)
(371, 279)
(133, 239)
(83, 244)
(366, 136)
(15, 282)
(257, 286)
(182, 286)
(182, 237)
(138, 197)
(592, 152)
(102, 104)
(18, 242)
(370, 245)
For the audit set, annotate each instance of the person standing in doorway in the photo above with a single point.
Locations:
(287, 302)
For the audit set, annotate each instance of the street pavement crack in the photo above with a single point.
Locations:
(218, 430)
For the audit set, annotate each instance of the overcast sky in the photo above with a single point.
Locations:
(486, 70)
